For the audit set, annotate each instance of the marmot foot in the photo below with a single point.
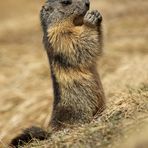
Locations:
(92, 18)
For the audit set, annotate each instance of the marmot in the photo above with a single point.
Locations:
(73, 41)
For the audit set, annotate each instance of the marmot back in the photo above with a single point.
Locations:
(72, 37)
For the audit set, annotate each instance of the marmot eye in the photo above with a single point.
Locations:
(66, 2)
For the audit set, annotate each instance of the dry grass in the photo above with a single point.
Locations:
(123, 117)
(25, 85)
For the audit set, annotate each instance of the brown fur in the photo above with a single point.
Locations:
(65, 38)
(73, 41)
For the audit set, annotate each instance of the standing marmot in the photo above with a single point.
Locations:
(73, 41)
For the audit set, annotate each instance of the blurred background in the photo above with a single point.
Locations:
(25, 84)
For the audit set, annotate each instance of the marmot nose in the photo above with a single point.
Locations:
(87, 3)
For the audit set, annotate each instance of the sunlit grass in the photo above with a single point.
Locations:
(26, 89)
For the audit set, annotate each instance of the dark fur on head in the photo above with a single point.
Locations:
(55, 11)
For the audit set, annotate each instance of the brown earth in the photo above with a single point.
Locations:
(25, 84)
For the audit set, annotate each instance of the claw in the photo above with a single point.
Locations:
(93, 18)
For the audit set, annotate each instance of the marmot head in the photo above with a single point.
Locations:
(55, 11)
